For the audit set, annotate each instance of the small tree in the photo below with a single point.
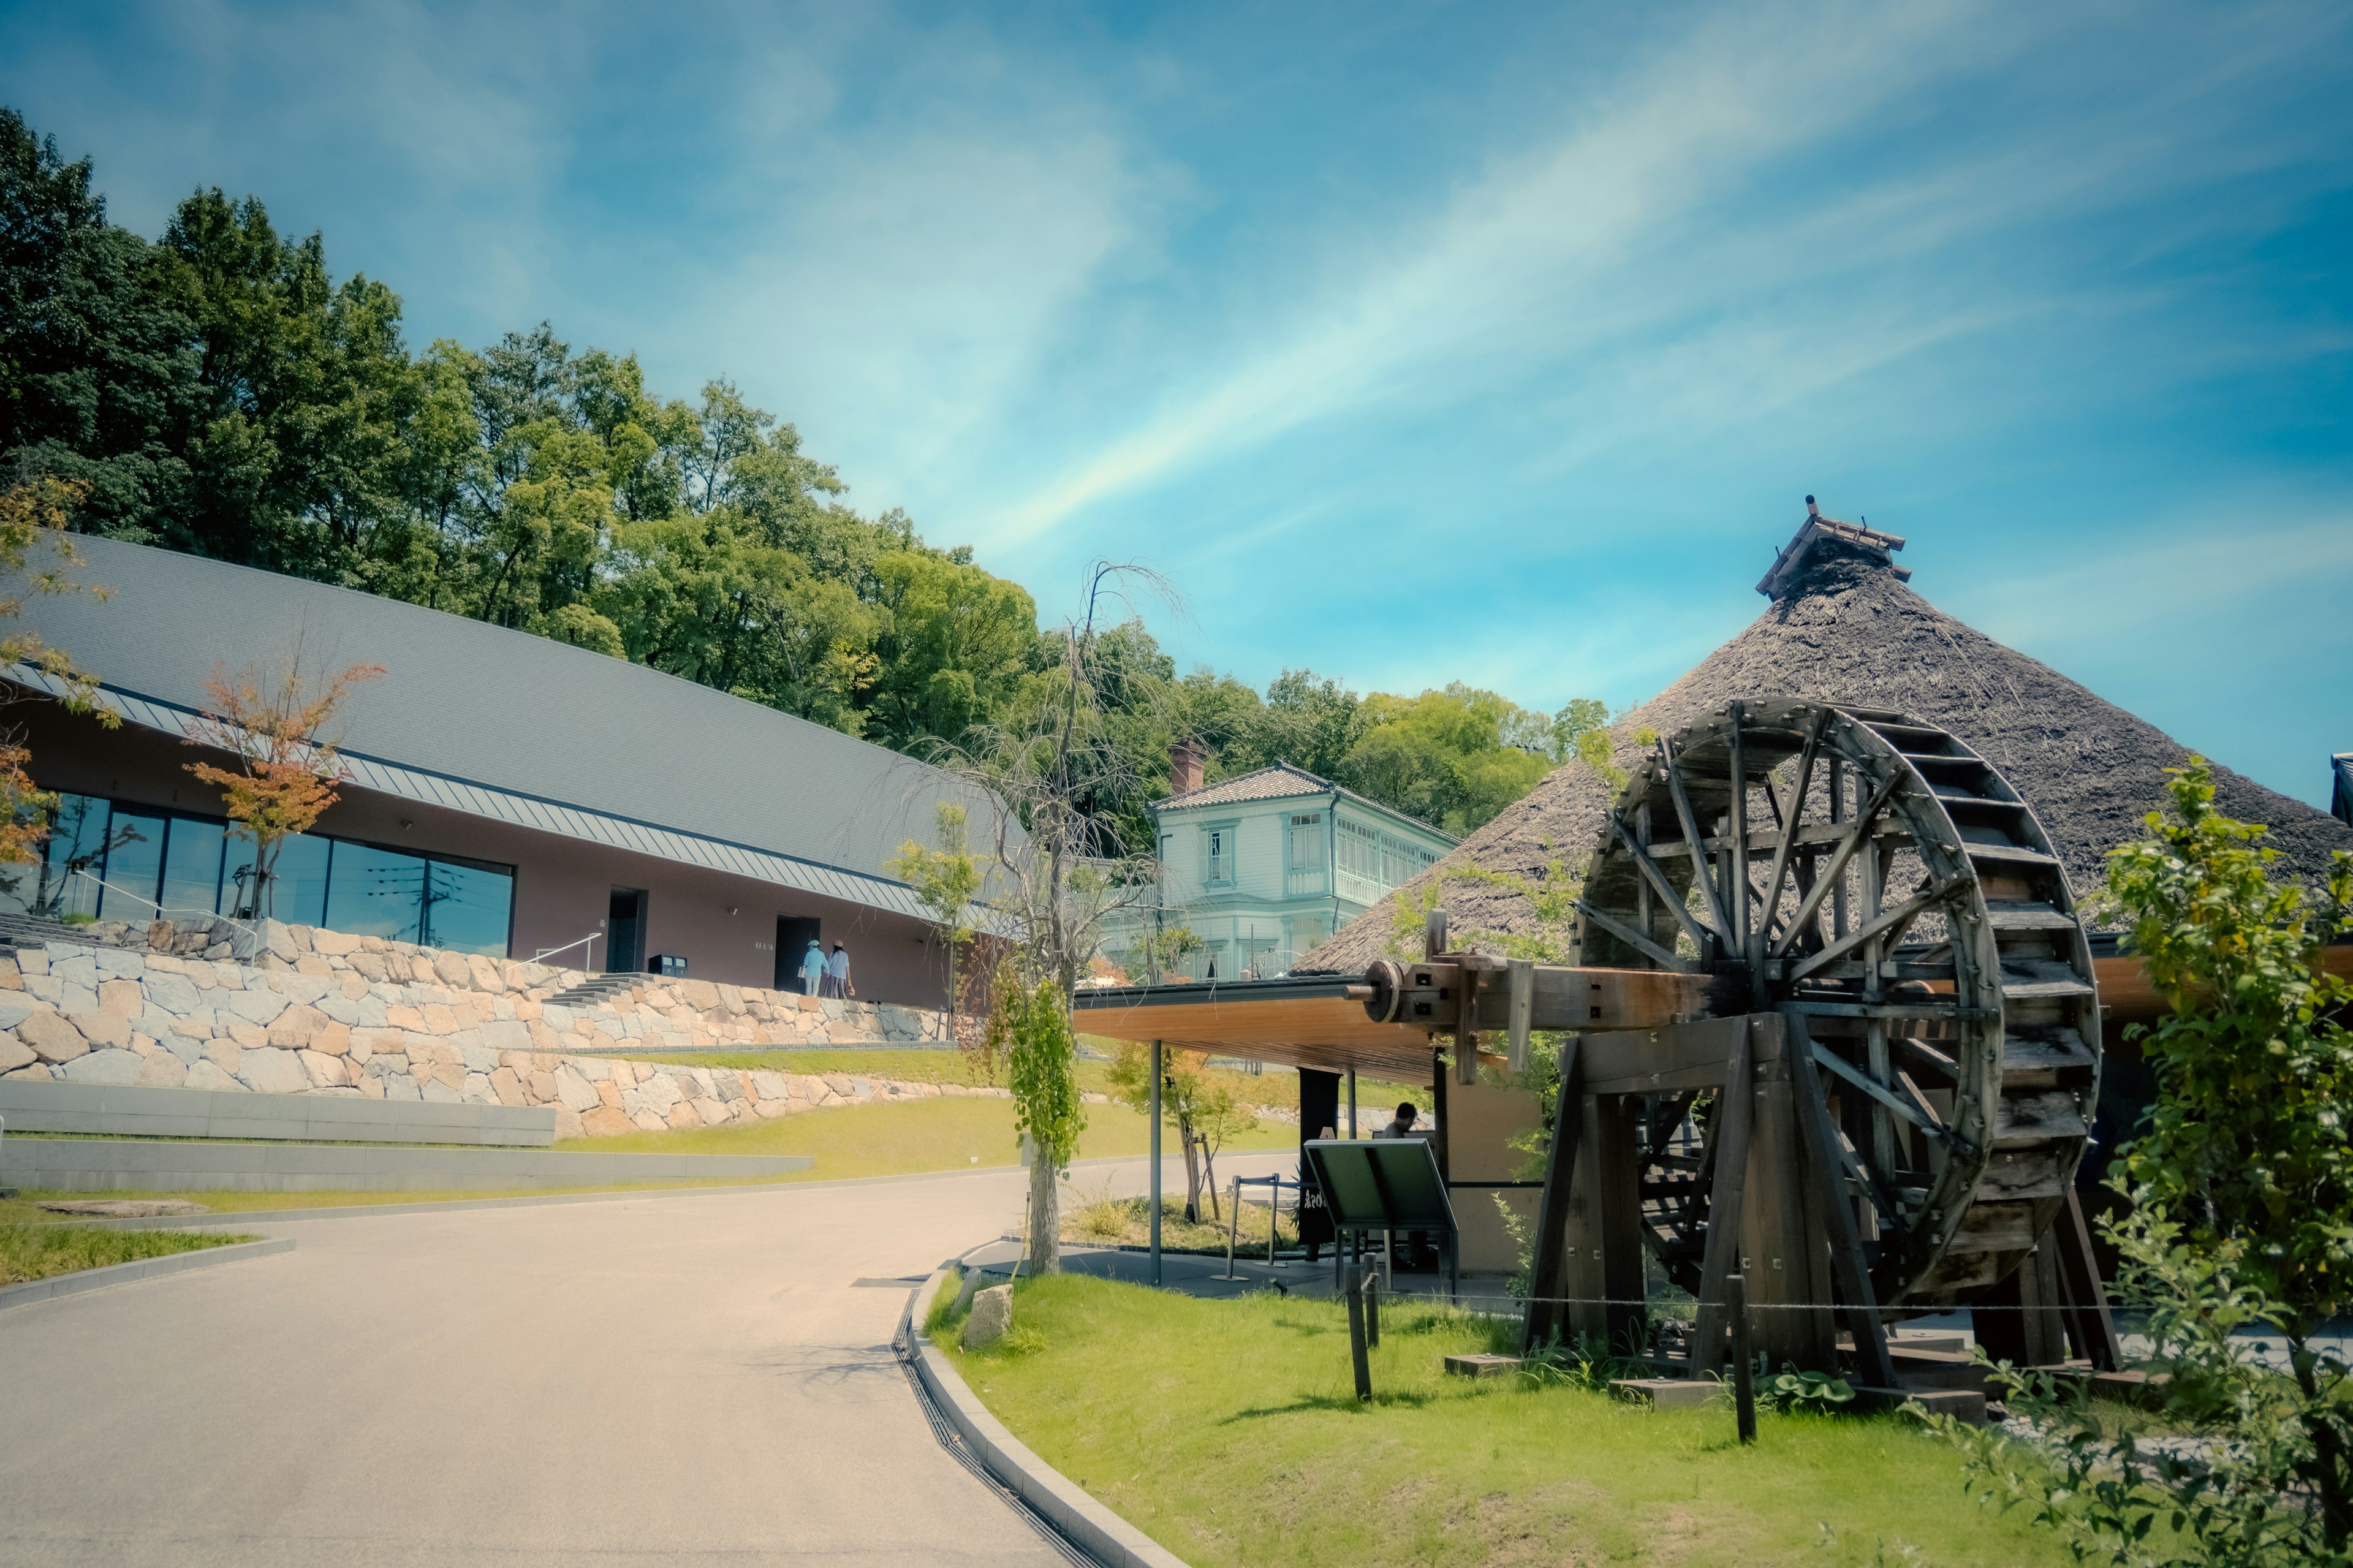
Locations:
(2240, 1193)
(274, 722)
(34, 515)
(1030, 1029)
(1201, 1106)
(1062, 871)
(1155, 952)
(946, 882)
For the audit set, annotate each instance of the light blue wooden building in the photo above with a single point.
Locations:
(1263, 866)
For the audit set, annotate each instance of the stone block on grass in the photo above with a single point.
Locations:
(992, 1317)
(1666, 1393)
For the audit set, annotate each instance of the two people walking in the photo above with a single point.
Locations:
(826, 976)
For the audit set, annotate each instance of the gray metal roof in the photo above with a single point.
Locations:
(503, 725)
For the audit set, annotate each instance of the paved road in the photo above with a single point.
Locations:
(647, 1380)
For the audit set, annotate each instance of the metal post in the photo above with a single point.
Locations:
(1357, 1332)
(1156, 1164)
(1352, 1102)
(1743, 1364)
(1234, 1229)
(1273, 1213)
(1373, 1308)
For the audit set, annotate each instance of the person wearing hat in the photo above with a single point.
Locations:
(837, 973)
(813, 968)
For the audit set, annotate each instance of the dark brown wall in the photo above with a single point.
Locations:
(562, 885)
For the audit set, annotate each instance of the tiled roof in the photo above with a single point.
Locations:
(1281, 781)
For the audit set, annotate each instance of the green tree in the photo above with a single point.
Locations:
(97, 373)
(2240, 1187)
(946, 881)
(1443, 756)
(1197, 1102)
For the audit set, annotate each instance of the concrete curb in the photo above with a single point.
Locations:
(356, 1211)
(140, 1269)
(1094, 1529)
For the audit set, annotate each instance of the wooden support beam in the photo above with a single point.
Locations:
(1520, 976)
(2091, 1326)
(1729, 1144)
(1543, 1324)
(1850, 1270)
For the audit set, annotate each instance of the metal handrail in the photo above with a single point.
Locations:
(161, 909)
(542, 955)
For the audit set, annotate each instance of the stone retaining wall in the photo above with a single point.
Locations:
(318, 1012)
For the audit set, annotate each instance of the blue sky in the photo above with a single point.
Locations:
(1413, 343)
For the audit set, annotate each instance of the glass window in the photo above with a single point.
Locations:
(70, 856)
(298, 894)
(465, 905)
(134, 864)
(192, 868)
(375, 892)
(1221, 863)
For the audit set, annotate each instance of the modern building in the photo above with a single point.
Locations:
(507, 794)
(1263, 866)
(2340, 795)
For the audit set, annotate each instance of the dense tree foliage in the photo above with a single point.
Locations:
(217, 391)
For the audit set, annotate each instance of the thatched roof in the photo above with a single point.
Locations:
(1845, 627)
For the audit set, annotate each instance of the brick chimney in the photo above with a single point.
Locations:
(1185, 761)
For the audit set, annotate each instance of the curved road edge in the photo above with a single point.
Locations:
(138, 1268)
(1096, 1530)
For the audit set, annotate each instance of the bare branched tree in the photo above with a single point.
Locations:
(1061, 870)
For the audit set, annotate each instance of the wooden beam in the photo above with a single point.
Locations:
(1831, 875)
(1543, 1321)
(1889, 924)
(1633, 939)
(1729, 1145)
(1693, 836)
(1692, 926)
(1849, 1269)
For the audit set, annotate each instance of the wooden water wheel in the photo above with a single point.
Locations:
(1878, 884)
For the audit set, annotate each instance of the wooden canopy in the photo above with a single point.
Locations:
(1292, 1023)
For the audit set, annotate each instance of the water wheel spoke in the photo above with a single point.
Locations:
(1699, 933)
(1634, 939)
(1698, 842)
(1787, 823)
(1912, 1108)
(1889, 925)
(1834, 874)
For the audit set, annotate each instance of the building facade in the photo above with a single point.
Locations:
(508, 794)
(1261, 867)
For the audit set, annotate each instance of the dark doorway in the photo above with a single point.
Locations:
(625, 931)
(794, 933)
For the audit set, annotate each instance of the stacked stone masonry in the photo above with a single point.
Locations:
(318, 1012)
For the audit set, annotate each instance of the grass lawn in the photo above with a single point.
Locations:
(1228, 1432)
(24, 1209)
(36, 1252)
(903, 1138)
(907, 1136)
(1277, 1087)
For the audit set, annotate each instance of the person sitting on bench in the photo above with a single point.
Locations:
(1417, 1256)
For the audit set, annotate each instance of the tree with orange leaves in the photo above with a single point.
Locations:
(274, 722)
(34, 514)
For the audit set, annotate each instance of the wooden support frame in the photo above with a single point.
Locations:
(1850, 1270)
